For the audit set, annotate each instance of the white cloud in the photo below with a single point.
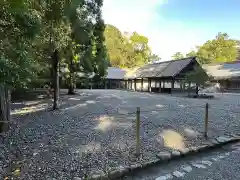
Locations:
(165, 38)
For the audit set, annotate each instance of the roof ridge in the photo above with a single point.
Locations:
(221, 63)
(175, 60)
(193, 58)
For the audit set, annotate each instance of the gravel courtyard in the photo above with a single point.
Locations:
(94, 132)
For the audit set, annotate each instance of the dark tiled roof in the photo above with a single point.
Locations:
(223, 70)
(163, 69)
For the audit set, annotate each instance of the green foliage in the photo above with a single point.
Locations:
(177, 55)
(30, 31)
(154, 58)
(220, 49)
(198, 76)
(191, 54)
(126, 50)
(19, 24)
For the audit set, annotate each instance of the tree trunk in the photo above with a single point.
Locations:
(197, 89)
(4, 108)
(55, 61)
(71, 78)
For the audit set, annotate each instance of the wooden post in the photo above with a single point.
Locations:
(138, 132)
(142, 85)
(206, 121)
(148, 86)
(135, 84)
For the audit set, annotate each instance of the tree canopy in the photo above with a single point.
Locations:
(126, 50)
(39, 36)
(177, 55)
(219, 49)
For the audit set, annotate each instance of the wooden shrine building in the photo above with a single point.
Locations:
(165, 77)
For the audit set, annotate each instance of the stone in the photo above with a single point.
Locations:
(116, 173)
(165, 177)
(77, 178)
(215, 159)
(175, 153)
(223, 139)
(227, 153)
(202, 147)
(194, 149)
(187, 169)
(164, 155)
(134, 166)
(97, 175)
(178, 174)
(197, 165)
(184, 151)
(213, 141)
(209, 163)
(221, 156)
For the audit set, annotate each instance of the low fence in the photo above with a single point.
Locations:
(120, 135)
(140, 121)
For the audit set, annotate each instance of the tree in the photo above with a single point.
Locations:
(177, 55)
(197, 76)
(126, 50)
(220, 49)
(34, 35)
(191, 54)
(86, 51)
(19, 25)
(154, 58)
(141, 48)
(115, 46)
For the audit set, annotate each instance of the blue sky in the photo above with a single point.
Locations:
(174, 25)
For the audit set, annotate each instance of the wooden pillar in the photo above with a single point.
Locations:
(142, 84)
(172, 86)
(135, 84)
(150, 85)
(110, 84)
(189, 83)
(160, 85)
(105, 84)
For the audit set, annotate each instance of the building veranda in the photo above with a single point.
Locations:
(164, 77)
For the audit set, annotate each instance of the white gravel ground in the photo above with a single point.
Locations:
(95, 132)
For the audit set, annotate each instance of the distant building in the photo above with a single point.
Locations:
(165, 77)
(227, 74)
(114, 78)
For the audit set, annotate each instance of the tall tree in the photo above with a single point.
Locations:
(19, 25)
(177, 55)
(86, 50)
(191, 54)
(55, 33)
(154, 58)
(115, 46)
(141, 48)
(126, 50)
(220, 49)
